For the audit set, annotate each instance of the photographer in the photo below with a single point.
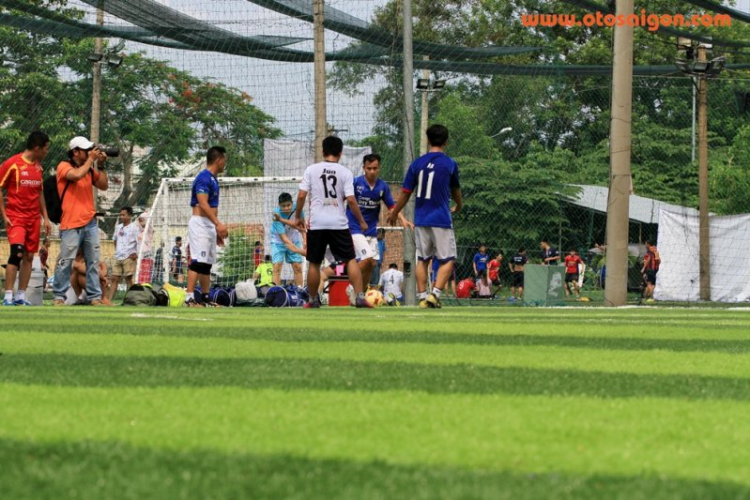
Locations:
(76, 177)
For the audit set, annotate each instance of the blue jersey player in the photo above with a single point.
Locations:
(205, 230)
(433, 178)
(370, 192)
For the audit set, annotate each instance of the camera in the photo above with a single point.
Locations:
(109, 151)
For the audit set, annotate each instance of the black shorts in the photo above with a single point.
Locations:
(571, 277)
(340, 241)
(650, 276)
(497, 282)
(517, 279)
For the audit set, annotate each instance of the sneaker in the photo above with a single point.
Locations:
(433, 301)
(361, 302)
(21, 303)
(312, 303)
(191, 302)
(7, 302)
(423, 304)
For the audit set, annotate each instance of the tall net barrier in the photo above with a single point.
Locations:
(528, 109)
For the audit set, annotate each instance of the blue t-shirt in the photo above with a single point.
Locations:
(279, 228)
(431, 177)
(205, 183)
(481, 261)
(369, 200)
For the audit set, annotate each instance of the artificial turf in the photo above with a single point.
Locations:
(391, 403)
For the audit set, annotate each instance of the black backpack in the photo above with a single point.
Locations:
(53, 199)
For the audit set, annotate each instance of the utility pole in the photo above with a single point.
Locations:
(618, 206)
(704, 259)
(96, 93)
(320, 78)
(410, 291)
(425, 117)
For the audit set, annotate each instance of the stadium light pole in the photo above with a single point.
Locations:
(618, 206)
(410, 291)
(319, 64)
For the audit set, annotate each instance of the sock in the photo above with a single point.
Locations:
(422, 295)
(204, 297)
(8, 294)
(361, 295)
(436, 292)
(21, 295)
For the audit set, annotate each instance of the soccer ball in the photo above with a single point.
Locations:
(374, 297)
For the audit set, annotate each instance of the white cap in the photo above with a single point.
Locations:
(80, 143)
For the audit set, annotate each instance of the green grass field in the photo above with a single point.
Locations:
(391, 403)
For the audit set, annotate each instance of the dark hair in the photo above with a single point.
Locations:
(332, 146)
(522, 250)
(647, 243)
(285, 198)
(129, 210)
(544, 241)
(257, 243)
(215, 153)
(482, 245)
(393, 266)
(37, 139)
(178, 239)
(437, 135)
(267, 258)
(370, 158)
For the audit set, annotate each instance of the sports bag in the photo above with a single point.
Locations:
(140, 295)
(176, 295)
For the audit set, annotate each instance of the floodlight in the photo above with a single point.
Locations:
(438, 84)
(423, 83)
(94, 57)
(115, 61)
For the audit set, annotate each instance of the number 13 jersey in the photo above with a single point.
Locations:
(431, 177)
(327, 184)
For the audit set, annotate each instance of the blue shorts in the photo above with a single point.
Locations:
(281, 254)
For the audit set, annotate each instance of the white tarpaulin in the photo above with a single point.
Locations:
(678, 277)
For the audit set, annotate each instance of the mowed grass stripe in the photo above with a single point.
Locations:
(678, 439)
(356, 376)
(116, 470)
(598, 359)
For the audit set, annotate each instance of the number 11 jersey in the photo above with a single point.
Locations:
(431, 177)
(327, 184)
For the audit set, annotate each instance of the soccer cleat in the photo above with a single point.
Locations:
(361, 302)
(21, 303)
(432, 301)
(312, 304)
(7, 302)
(423, 304)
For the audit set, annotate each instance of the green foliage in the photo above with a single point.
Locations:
(730, 179)
(236, 261)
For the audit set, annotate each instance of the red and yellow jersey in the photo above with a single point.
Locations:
(571, 264)
(22, 182)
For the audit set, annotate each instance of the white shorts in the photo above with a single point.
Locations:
(202, 240)
(438, 242)
(366, 247)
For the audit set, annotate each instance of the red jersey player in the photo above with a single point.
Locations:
(23, 208)
(572, 261)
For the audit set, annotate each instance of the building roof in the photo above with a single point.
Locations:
(645, 210)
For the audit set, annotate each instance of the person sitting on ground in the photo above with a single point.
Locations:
(78, 279)
(484, 287)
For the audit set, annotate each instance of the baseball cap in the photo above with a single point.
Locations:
(80, 143)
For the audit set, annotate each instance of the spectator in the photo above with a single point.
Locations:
(76, 178)
(480, 260)
(493, 271)
(550, 255)
(176, 264)
(78, 279)
(126, 251)
(392, 284)
(257, 254)
(466, 289)
(651, 263)
(145, 242)
(572, 261)
(286, 240)
(263, 275)
(484, 287)
(516, 266)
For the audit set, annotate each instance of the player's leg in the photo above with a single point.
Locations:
(201, 242)
(31, 247)
(117, 272)
(316, 250)
(296, 261)
(423, 239)
(365, 253)
(129, 267)
(421, 272)
(17, 239)
(444, 244)
(342, 248)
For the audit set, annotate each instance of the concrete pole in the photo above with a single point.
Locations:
(96, 94)
(425, 113)
(320, 78)
(410, 290)
(704, 259)
(616, 292)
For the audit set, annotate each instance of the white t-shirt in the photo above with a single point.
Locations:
(328, 184)
(126, 240)
(391, 281)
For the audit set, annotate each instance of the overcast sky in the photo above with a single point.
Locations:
(283, 90)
